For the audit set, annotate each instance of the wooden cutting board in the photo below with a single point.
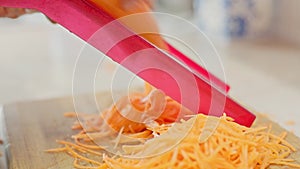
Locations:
(32, 127)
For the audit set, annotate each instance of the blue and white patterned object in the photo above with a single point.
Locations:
(234, 18)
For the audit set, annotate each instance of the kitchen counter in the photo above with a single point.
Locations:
(265, 76)
(37, 61)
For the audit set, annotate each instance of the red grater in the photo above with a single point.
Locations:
(199, 90)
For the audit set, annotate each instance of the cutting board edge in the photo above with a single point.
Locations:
(4, 162)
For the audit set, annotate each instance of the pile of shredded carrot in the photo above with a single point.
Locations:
(229, 146)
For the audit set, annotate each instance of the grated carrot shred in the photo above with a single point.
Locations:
(229, 146)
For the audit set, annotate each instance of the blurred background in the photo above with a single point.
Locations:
(258, 42)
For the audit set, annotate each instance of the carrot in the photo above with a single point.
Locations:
(143, 105)
(230, 146)
(119, 9)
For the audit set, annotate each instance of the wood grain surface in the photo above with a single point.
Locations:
(32, 127)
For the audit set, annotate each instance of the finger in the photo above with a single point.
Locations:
(14, 12)
(2, 12)
(30, 11)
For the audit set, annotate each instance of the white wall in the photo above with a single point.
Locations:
(287, 20)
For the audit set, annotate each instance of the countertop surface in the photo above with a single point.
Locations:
(37, 61)
(33, 127)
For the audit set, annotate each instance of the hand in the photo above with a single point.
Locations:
(13, 12)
